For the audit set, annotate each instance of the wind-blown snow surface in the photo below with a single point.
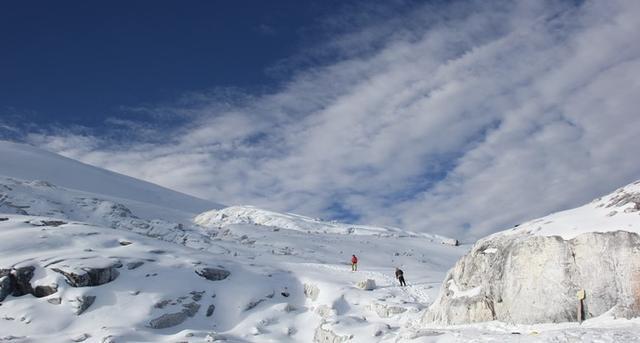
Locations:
(289, 276)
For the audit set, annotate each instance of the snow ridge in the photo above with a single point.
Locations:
(619, 210)
(26, 162)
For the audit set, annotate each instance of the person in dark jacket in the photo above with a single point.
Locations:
(354, 263)
(400, 276)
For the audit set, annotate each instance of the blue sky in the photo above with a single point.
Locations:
(455, 117)
(79, 62)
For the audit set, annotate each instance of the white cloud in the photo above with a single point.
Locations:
(497, 113)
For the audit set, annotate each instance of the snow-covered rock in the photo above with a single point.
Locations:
(82, 303)
(384, 310)
(531, 274)
(367, 285)
(20, 280)
(311, 291)
(93, 273)
(325, 335)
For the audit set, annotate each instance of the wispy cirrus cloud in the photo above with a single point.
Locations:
(459, 119)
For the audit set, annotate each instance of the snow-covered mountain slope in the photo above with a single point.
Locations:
(256, 216)
(41, 198)
(619, 210)
(26, 162)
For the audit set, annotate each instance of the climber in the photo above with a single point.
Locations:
(400, 276)
(354, 263)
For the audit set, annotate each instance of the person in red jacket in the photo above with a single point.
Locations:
(354, 263)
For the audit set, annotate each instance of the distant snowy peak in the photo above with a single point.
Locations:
(288, 221)
(618, 211)
(256, 216)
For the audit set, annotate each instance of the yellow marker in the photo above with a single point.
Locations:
(580, 294)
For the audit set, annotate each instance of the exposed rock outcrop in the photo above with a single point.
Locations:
(17, 282)
(82, 303)
(210, 310)
(172, 319)
(45, 291)
(52, 223)
(89, 276)
(5, 286)
(523, 278)
(21, 280)
(168, 320)
(213, 274)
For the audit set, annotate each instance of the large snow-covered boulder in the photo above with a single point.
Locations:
(532, 273)
(90, 272)
(534, 279)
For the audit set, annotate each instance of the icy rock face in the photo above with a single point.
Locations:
(528, 279)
